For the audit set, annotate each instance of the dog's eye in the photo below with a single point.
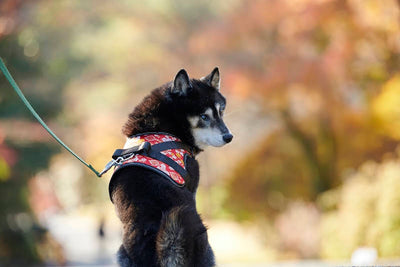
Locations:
(204, 117)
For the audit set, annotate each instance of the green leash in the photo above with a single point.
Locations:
(28, 105)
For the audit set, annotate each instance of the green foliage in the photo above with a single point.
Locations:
(18, 236)
(4, 170)
(12, 53)
(41, 68)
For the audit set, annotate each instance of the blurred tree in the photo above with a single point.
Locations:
(19, 231)
(41, 73)
(54, 49)
(318, 68)
(324, 65)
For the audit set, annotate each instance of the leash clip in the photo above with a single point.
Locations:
(119, 160)
(112, 163)
(121, 155)
(108, 166)
(115, 162)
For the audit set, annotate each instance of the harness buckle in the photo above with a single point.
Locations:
(121, 155)
(142, 148)
(145, 147)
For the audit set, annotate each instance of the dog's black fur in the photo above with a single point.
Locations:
(161, 226)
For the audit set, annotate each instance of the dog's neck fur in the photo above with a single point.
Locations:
(158, 113)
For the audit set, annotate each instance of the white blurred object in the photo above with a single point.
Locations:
(364, 256)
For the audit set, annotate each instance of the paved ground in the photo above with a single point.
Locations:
(83, 246)
(81, 242)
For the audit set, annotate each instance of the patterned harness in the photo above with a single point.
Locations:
(159, 152)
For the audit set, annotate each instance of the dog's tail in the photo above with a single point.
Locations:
(182, 239)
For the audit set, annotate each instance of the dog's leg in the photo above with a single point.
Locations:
(203, 252)
(123, 258)
(182, 239)
(138, 241)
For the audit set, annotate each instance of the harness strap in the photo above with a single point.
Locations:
(152, 151)
(178, 168)
(171, 145)
(145, 147)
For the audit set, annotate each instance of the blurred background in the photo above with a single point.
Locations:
(313, 91)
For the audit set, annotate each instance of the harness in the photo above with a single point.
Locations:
(162, 153)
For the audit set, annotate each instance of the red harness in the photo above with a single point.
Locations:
(160, 152)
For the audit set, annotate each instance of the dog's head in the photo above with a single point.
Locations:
(204, 107)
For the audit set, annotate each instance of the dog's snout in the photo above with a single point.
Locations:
(227, 137)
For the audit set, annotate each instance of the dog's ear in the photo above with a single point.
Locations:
(181, 83)
(212, 79)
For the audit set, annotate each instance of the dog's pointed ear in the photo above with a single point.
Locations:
(181, 83)
(212, 79)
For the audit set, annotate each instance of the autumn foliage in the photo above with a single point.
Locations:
(313, 100)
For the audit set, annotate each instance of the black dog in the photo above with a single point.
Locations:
(161, 226)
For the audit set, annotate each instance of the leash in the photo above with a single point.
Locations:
(32, 110)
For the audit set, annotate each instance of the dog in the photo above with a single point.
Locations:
(157, 208)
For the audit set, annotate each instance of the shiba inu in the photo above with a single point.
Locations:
(154, 184)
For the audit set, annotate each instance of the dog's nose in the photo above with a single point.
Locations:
(227, 137)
